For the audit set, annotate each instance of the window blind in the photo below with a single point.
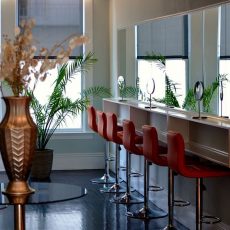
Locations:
(55, 20)
(225, 31)
(167, 37)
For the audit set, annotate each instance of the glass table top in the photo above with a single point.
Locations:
(49, 193)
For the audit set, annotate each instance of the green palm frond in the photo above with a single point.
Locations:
(129, 91)
(170, 98)
(53, 114)
(209, 92)
(156, 57)
(80, 64)
(96, 91)
(190, 101)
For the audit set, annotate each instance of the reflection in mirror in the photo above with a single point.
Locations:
(162, 51)
(224, 60)
(190, 46)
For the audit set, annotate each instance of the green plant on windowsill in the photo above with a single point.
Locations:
(126, 91)
(170, 98)
(209, 92)
(53, 113)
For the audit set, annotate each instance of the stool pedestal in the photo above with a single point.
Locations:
(146, 213)
(116, 187)
(127, 198)
(106, 178)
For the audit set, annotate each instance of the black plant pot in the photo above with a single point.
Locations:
(42, 165)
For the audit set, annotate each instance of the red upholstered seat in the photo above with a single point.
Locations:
(114, 132)
(97, 122)
(102, 125)
(131, 139)
(92, 118)
(152, 151)
(177, 161)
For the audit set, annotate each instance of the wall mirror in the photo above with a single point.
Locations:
(179, 51)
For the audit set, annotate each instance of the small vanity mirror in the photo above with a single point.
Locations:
(221, 94)
(121, 87)
(198, 94)
(150, 88)
(198, 90)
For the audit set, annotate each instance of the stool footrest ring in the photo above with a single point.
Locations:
(135, 174)
(110, 159)
(210, 219)
(181, 203)
(3, 207)
(155, 188)
(122, 168)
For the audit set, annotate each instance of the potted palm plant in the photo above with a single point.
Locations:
(51, 115)
(18, 68)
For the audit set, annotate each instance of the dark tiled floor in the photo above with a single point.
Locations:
(92, 212)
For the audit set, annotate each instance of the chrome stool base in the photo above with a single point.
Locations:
(155, 188)
(210, 219)
(103, 180)
(169, 227)
(181, 203)
(115, 188)
(135, 174)
(127, 199)
(147, 213)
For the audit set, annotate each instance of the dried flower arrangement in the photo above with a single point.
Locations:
(17, 64)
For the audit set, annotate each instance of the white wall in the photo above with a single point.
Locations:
(131, 12)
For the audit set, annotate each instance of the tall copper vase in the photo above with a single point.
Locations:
(18, 135)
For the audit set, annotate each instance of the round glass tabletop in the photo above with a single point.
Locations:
(49, 193)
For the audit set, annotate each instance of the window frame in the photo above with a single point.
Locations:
(85, 81)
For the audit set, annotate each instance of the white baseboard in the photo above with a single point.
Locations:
(74, 161)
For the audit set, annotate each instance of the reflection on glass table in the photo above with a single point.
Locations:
(44, 193)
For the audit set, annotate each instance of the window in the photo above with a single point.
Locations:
(73, 91)
(224, 63)
(56, 20)
(224, 68)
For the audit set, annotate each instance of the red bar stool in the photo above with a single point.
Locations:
(98, 124)
(92, 118)
(178, 163)
(153, 153)
(130, 142)
(115, 135)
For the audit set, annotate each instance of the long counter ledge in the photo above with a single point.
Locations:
(212, 120)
